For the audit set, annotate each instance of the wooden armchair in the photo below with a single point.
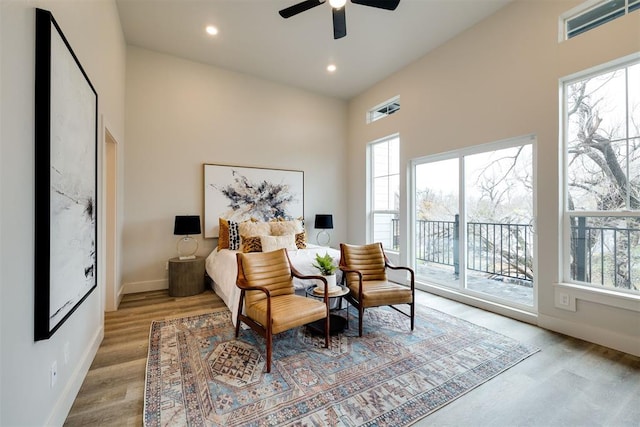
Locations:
(266, 287)
(364, 269)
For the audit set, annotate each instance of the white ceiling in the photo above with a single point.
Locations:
(255, 40)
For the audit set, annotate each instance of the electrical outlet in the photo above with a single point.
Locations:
(66, 352)
(54, 373)
(564, 299)
(166, 266)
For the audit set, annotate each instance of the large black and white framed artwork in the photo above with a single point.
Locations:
(66, 140)
(239, 193)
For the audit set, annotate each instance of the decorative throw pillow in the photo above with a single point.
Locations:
(272, 243)
(223, 235)
(229, 235)
(252, 228)
(301, 240)
(283, 228)
(234, 236)
(251, 244)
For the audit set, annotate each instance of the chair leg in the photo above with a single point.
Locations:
(269, 344)
(327, 328)
(360, 316)
(413, 309)
(237, 327)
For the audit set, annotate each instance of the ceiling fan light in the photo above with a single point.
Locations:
(337, 4)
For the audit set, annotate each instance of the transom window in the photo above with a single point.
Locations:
(592, 14)
(602, 177)
(385, 109)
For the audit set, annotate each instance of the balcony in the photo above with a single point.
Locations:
(500, 256)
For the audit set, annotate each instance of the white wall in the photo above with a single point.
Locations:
(499, 80)
(93, 30)
(182, 114)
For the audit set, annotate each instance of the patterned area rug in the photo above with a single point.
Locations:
(198, 374)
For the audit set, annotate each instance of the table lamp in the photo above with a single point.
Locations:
(324, 222)
(185, 225)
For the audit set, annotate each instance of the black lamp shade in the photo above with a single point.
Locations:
(187, 224)
(324, 222)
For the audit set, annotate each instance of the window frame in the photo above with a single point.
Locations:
(372, 111)
(372, 211)
(584, 8)
(618, 297)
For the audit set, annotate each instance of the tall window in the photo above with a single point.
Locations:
(602, 178)
(384, 173)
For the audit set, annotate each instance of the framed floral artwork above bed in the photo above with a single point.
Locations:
(239, 193)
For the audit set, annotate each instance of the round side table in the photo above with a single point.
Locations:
(186, 276)
(337, 323)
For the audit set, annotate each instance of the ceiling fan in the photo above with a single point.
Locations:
(337, 8)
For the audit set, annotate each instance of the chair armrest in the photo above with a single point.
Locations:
(410, 270)
(295, 273)
(348, 270)
(245, 287)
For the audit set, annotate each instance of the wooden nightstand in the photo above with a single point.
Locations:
(186, 276)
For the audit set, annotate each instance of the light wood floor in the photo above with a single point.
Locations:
(569, 383)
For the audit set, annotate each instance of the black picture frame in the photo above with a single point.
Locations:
(66, 177)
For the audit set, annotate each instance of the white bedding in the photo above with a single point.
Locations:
(221, 266)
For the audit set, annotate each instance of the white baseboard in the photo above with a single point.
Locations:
(146, 286)
(625, 343)
(72, 387)
(503, 310)
(119, 296)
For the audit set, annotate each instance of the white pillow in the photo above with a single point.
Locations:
(282, 228)
(254, 228)
(273, 243)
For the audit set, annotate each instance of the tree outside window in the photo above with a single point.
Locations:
(385, 194)
(602, 185)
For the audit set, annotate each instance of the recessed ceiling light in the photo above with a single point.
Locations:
(337, 4)
(331, 68)
(211, 30)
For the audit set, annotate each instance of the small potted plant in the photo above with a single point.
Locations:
(328, 269)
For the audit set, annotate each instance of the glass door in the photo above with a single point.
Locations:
(473, 221)
(436, 237)
(499, 219)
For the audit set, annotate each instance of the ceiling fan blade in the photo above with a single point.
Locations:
(381, 4)
(339, 23)
(300, 7)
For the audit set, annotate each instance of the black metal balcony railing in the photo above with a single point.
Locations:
(604, 255)
(499, 249)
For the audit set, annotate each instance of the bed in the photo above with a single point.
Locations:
(255, 210)
(222, 268)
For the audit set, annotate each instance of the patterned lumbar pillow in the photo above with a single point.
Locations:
(251, 244)
(301, 240)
